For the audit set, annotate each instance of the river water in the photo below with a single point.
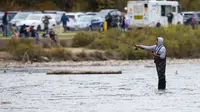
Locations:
(31, 90)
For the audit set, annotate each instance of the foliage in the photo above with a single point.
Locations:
(61, 53)
(83, 39)
(24, 48)
(180, 41)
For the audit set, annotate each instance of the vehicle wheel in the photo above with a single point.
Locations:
(39, 28)
(158, 25)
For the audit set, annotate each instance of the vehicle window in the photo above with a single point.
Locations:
(80, 15)
(198, 14)
(188, 15)
(70, 16)
(179, 9)
(50, 12)
(165, 9)
(173, 9)
(33, 17)
(49, 17)
(21, 16)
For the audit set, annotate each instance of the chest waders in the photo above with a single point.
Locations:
(160, 67)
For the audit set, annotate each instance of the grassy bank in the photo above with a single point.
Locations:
(60, 35)
(180, 41)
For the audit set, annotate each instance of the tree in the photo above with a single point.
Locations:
(92, 5)
(66, 5)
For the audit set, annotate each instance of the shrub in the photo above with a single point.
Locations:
(61, 53)
(83, 39)
(181, 42)
(24, 49)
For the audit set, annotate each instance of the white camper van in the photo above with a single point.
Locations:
(152, 13)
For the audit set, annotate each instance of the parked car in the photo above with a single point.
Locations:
(36, 20)
(11, 14)
(1, 20)
(115, 13)
(56, 17)
(92, 13)
(58, 14)
(89, 22)
(191, 17)
(21, 16)
(73, 17)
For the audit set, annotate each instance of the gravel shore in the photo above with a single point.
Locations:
(96, 63)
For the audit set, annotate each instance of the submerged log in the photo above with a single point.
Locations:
(83, 72)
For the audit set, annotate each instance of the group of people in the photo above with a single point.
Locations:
(119, 22)
(26, 31)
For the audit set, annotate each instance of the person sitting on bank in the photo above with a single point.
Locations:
(34, 34)
(52, 35)
(15, 32)
(23, 32)
(159, 54)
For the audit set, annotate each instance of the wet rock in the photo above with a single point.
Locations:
(45, 59)
(4, 102)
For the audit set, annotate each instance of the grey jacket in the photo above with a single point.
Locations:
(159, 49)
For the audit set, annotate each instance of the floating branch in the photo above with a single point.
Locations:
(83, 72)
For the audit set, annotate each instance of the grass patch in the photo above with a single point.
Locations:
(181, 42)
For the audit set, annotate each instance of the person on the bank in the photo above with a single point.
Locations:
(5, 24)
(34, 34)
(109, 20)
(64, 21)
(15, 32)
(23, 32)
(46, 24)
(52, 35)
(159, 54)
(122, 25)
(170, 17)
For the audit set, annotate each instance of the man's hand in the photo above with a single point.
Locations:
(137, 46)
(154, 54)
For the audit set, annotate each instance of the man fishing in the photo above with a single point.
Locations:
(159, 54)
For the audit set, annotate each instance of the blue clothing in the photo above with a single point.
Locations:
(64, 20)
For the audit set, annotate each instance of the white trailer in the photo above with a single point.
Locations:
(152, 13)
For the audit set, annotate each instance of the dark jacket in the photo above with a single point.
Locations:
(170, 17)
(5, 19)
(64, 19)
(23, 29)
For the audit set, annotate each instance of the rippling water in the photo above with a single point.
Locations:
(31, 90)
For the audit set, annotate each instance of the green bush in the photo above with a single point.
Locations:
(24, 49)
(181, 42)
(61, 54)
(83, 39)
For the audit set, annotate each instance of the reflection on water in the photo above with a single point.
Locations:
(31, 90)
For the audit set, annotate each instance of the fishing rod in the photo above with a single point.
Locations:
(125, 42)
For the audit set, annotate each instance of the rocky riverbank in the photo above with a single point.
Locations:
(146, 63)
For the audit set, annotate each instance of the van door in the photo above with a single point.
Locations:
(164, 12)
